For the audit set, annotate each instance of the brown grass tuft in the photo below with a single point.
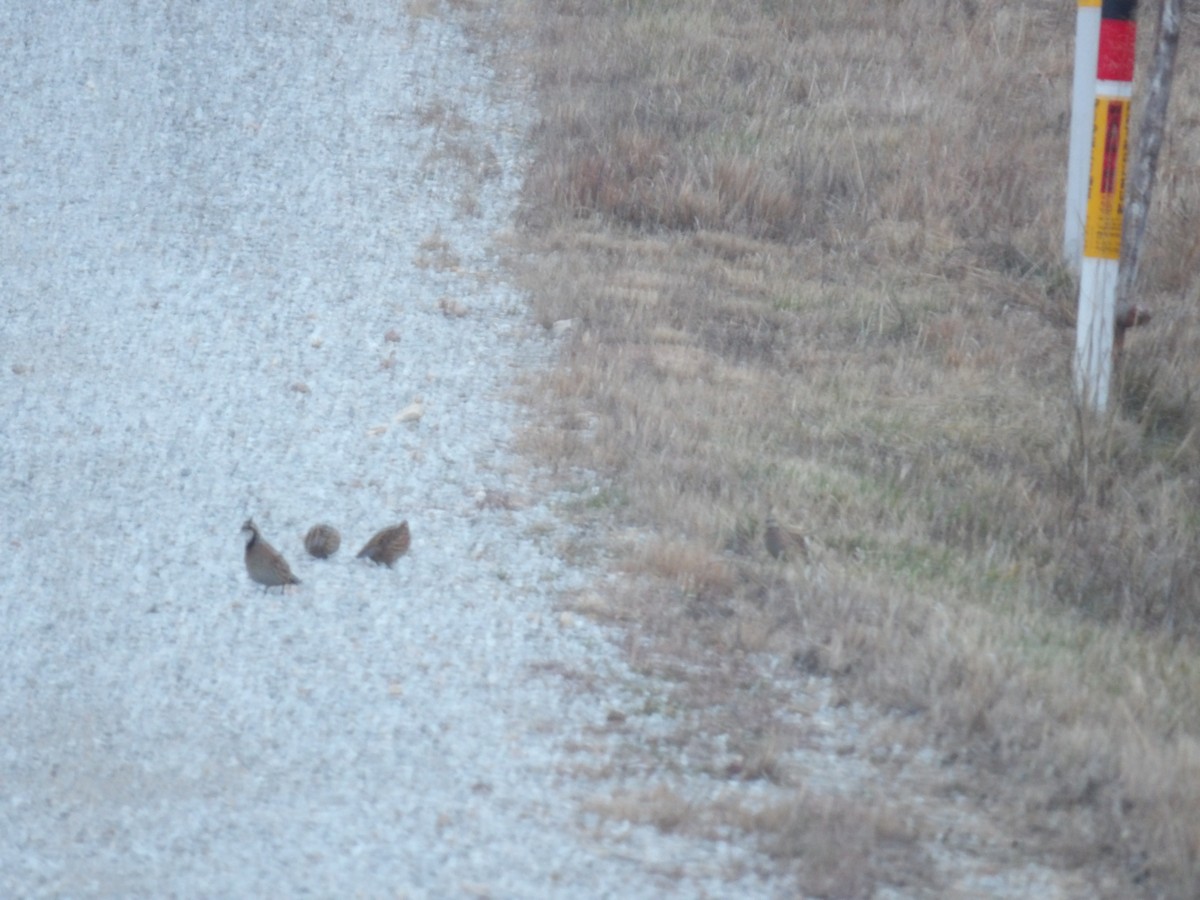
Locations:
(841, 847)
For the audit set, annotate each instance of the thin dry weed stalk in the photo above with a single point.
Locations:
(812, 263)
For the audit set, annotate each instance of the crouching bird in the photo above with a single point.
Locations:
(784, 541)
(388, 545)
(322, 541)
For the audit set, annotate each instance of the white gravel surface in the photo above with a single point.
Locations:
(213, 216)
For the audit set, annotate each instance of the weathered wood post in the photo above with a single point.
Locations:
(1145, 160)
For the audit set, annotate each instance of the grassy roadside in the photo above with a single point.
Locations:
(810, 252)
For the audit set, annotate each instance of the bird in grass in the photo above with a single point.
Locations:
(263, 562)
(322, 541)
(784, 541)
(388, 545)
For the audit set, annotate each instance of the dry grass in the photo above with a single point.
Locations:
(839, 848)
(811, 254)
(842, 848)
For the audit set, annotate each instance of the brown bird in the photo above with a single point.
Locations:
(263, 562)
(322, 541)
(388, 545)
(784, 541)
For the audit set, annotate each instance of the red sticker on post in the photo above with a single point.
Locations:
(1118, 41)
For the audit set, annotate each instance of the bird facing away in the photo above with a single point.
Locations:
(322, 541)
(263, 562)
(388, 545)
(784, 541)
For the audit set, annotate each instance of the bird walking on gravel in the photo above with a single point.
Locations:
(388, 545)
(322, 541)
(264, 564)
(784, 541)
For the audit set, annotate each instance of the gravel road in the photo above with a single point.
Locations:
(244, 245)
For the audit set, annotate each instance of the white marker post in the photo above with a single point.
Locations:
(1102, 232)
(1079, 154)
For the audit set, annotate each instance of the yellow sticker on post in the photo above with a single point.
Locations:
(1106, 188)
